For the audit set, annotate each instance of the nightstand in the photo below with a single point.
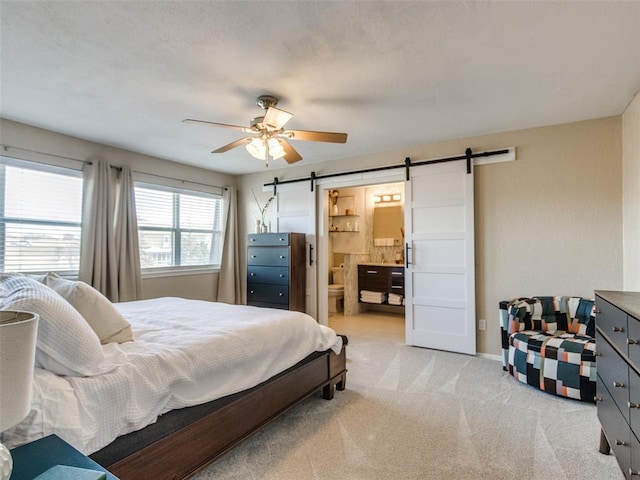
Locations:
(31, 459)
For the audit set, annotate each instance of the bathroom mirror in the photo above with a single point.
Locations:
(387, 224)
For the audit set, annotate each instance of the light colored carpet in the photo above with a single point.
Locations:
(412, 413)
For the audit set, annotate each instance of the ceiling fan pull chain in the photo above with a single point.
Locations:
(266, 155)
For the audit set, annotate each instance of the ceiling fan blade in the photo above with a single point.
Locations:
(291, 155)
(276, 118)
(215, 124)
(311, 136)
(231, 145)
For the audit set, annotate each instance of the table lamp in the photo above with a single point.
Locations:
(17, 357)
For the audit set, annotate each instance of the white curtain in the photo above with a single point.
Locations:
(229, 286)
(109, 255)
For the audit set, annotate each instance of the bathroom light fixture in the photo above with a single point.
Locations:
(386, 198)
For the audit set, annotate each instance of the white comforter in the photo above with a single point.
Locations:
(186, 352)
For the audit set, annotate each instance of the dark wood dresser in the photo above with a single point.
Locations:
(276, 275)
(618, 383)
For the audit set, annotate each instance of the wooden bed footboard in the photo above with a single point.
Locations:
(188, 450)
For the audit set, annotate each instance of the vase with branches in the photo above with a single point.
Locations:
(261, 225)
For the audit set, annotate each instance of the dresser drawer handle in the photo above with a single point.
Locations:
(633, 405)
(280, 294)
(281, 239)
(634, 472)
(397, 273)
(251, 292)
(620, 442)
(253, 239)
(282, 256)
(631, 341)
(282, 275)
(252, 274)
(618, 329)
(618, 384)
(253, 256)
(372, 271)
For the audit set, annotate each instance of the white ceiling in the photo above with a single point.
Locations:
(391, 74)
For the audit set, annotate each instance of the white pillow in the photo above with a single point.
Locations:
(66, 345)
(97, 310)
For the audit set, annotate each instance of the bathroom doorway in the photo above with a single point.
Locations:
(360, 223)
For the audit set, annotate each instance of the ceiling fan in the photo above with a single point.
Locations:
(269, 138)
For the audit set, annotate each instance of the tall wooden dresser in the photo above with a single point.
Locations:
(618, 383)
(276, 270)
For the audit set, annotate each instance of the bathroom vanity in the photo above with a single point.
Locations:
(385, 279)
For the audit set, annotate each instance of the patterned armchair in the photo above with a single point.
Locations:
(549, 343)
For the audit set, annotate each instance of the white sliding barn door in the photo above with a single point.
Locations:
(440, 278)
(296, 212)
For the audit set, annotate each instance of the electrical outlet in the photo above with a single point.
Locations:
(482, 324)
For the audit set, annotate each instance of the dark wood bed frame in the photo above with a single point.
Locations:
(183, 442)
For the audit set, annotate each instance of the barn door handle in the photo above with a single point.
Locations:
(406, 254)
(310, 255)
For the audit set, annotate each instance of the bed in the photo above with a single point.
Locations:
(178, 383)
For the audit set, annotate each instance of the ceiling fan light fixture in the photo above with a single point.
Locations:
(275, 149)
(257, 149)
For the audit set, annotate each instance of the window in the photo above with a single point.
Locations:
(40, 217)
(178, 228)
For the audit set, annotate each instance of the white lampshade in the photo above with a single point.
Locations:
(18, 331)
(275, 149)
(257, 149)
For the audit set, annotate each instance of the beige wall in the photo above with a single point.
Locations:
(548, 223)
(54, 146)
(631, 194)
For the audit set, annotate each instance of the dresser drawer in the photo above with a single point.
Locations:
(268, 239)
(614, 373)
(634, 401)
(615, 427)
(279, 306)
(274, 256)
(262, 274)
(634, 340)
(259, 292)
(635, 458)
(613, 323)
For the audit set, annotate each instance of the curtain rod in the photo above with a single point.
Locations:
(468, 155)
(6, 148)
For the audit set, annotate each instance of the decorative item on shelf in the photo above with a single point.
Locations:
(17, 358)
(333, 197)
(348, 211)
(261, 225)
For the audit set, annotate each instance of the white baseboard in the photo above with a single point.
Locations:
(490, 356)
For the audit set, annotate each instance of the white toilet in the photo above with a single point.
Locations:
(336, 290)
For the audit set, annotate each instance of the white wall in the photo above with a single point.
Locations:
(631, 194)
(549, 223)
(18, 136)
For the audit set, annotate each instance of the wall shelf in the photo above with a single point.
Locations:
(344, 231)
(343, 216)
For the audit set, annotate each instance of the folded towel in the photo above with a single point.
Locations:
(371, 300)
(369, 292)
(395, 297)
(373, 297)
